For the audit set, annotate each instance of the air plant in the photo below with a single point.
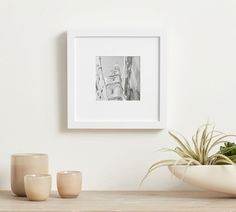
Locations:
(229, 150)
(198, 151)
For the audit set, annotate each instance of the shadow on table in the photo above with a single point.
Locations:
(191, 195)
(8, 195)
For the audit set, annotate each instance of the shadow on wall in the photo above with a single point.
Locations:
(61, 49)
(61, 68)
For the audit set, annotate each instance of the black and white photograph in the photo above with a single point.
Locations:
(113, 78)
(118, 78)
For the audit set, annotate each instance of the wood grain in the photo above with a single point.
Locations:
(124, 201)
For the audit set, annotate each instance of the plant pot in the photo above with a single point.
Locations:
(220, 178)
(24, 164)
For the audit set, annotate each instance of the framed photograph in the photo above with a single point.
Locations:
(116, 80)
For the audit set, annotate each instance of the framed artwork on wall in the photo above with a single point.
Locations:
(116, 80)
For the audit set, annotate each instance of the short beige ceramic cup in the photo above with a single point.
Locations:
(37, 187)
(69, 183)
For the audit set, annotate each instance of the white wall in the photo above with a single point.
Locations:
(201, 84)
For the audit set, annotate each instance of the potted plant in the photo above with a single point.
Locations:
(199, 162)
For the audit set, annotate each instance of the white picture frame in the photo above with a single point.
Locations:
(84, 111)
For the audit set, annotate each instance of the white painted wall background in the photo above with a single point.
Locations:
(201, 84)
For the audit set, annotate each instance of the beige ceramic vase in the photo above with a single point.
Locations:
(24, 164)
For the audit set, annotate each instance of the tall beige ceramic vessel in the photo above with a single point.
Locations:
(23, 164)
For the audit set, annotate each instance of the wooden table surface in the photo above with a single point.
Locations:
(124, 201)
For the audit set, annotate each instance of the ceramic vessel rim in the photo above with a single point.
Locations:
(37, 176)
(68, 172)
(202, 166)
(29, 155)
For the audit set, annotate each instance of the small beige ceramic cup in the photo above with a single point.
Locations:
(69, 183)
(37, 187)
